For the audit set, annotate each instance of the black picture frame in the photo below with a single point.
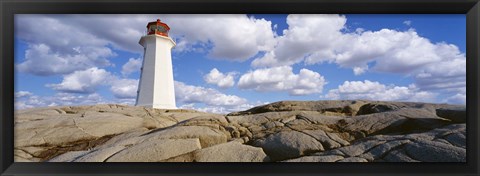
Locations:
(471, 8)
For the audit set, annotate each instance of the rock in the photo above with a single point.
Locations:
(156, 150)
(102, 124)
(207, 136)
(359, 148)
(353, 159)
(34, 151)
(398, 156)
(128, 138)
(251, 119)
(371, 108)
(330, 158)
(231, 152)
(289, 144)
(205, 121)
(68, 157)
(456, 115)
(22, 154)
(457, 139)
(336, 138)
(51, 136)
(288, 131)
(187, 157)
(404, 120)
(99, 155)
(296, 106)
(430, 151)
(381, 150)
(321, 136)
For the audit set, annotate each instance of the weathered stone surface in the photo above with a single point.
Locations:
(251, 119)
(430, 151)
(353, 159)
(402, 120)
(321, 136)
(156, 150)
(455, 114)
(231, 152)
(99, 155)
(457, 139)
(371, 108)
(208, 136)
(68, 157)
(381, 150)
(289, 131)
(398, 156)
(331, 106)
(329, 158)
(289, 144)
(359, 148)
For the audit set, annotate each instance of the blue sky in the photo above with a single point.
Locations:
(225, 63)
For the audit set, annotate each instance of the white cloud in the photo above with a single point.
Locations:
(446, 75)
(85, 81)
(41, 60)
(59, 99)
(195, 94)
(407, 22)
(63, 44)
(64, 32)
(457, 99)
(58, 45)
(319, 38)
(232, 36)
(124, 88)
(222, 109)
(220, 79)
(21, 94)
(133, 65)
(315, 39)
(283, 79)
(306, 35)
(368, 90)
(360, 70)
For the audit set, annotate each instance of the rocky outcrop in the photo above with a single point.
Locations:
(288, 131)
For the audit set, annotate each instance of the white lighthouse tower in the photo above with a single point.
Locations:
(155, 89)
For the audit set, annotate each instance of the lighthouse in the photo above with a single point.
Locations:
(156, 86)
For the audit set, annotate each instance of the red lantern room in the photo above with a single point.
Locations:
(157, 27)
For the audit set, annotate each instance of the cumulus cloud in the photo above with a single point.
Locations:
(210, 100)
(444, 75)
(56, 47)
(133, 65)
(196, 94)
(314, 39)
(220, 79)
(369, 90)
(407, 22)
(41, 60)
(21, 94)
(241, 37)
(319, 38)
(306, 35)
(283, 79)
(222, 109)
(457, 99)
(63, 32)
(124, 88)
(85, 81)
(59, 99)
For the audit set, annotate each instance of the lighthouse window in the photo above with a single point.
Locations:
(161, 29)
